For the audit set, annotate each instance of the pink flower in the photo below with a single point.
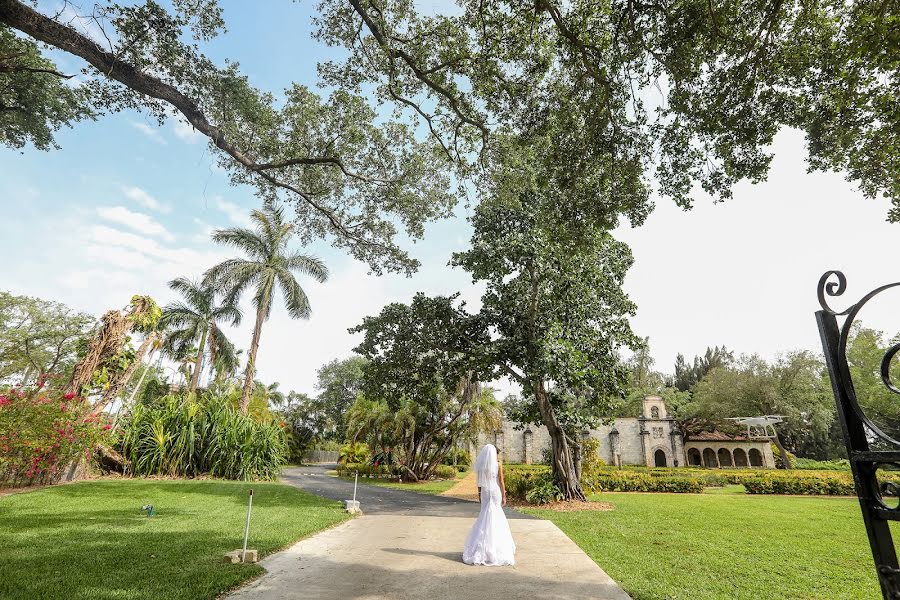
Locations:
(107, 427)
(4, 400)
(69, 395)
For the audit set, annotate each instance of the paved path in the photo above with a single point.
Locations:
(408, 546)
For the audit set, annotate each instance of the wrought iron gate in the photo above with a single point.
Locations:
(861, 433)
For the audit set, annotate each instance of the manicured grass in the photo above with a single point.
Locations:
(727, 546)
(91, 539)
(433, 487)
(729, 489)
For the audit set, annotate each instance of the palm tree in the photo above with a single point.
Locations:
(270, 393)
(194, 323)
(269, 264)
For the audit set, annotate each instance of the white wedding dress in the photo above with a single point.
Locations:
(490, 541)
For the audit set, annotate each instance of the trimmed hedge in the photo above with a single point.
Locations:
(522, 479)
(800, 485)
(629, 481)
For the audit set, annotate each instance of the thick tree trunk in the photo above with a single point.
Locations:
(117, 386)
(785, 459)
(251, 361)
(563, 465)
(195, 376)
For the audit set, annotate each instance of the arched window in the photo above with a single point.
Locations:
(755, 458)
(694, 457)
(659, 458)
(725, 458)
(709, 458)
(654, 412)
(740, 458)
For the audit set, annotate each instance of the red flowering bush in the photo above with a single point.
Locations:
(42, 431)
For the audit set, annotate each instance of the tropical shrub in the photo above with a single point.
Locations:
(531, 483)
(544, 491)
(43, 431)
(547, 456)
(591, 462)
(367, 469)
(458, 457)
(184, 436)
(354, 452)
(445, 472)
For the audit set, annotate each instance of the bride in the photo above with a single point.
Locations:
(490, 541)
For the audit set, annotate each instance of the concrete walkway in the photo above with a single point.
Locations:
(405, 552)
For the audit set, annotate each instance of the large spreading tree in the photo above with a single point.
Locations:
(421, 394)
(555, 310)
(691, 91)
(358, 180)
(38, 337)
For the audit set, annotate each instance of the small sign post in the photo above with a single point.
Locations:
(247, 528)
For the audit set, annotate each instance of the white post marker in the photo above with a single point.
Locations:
(352, 506)
(247, 528)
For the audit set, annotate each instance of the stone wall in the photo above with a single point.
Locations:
(526, 444)
(650, 440)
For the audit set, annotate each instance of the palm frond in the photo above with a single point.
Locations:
(178, 314)
(307, 264)
(295, 299)
(228, 313)
(250, 242)
(196, 294)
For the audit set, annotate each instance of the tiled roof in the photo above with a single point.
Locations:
(718, 436)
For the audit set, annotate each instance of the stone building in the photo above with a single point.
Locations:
(652, 439)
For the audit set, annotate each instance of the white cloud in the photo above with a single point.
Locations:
(150, 132)
(134, 220)
(205, 232)
(186, 132)
(138, 195)
(236, 214)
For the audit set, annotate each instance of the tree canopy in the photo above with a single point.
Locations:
(358, 180)
(39, 337)
(692, 92)
(792, 386)
(339, 382)
(422, 393)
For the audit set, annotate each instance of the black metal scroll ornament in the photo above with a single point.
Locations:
(859, 430)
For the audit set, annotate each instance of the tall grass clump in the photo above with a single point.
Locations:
(181, 436)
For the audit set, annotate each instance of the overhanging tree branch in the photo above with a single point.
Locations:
(25, 19)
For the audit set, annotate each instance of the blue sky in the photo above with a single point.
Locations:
(126, 206)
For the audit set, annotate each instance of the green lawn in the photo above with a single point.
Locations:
(91, 540)
(434, 486)
(727, 546)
